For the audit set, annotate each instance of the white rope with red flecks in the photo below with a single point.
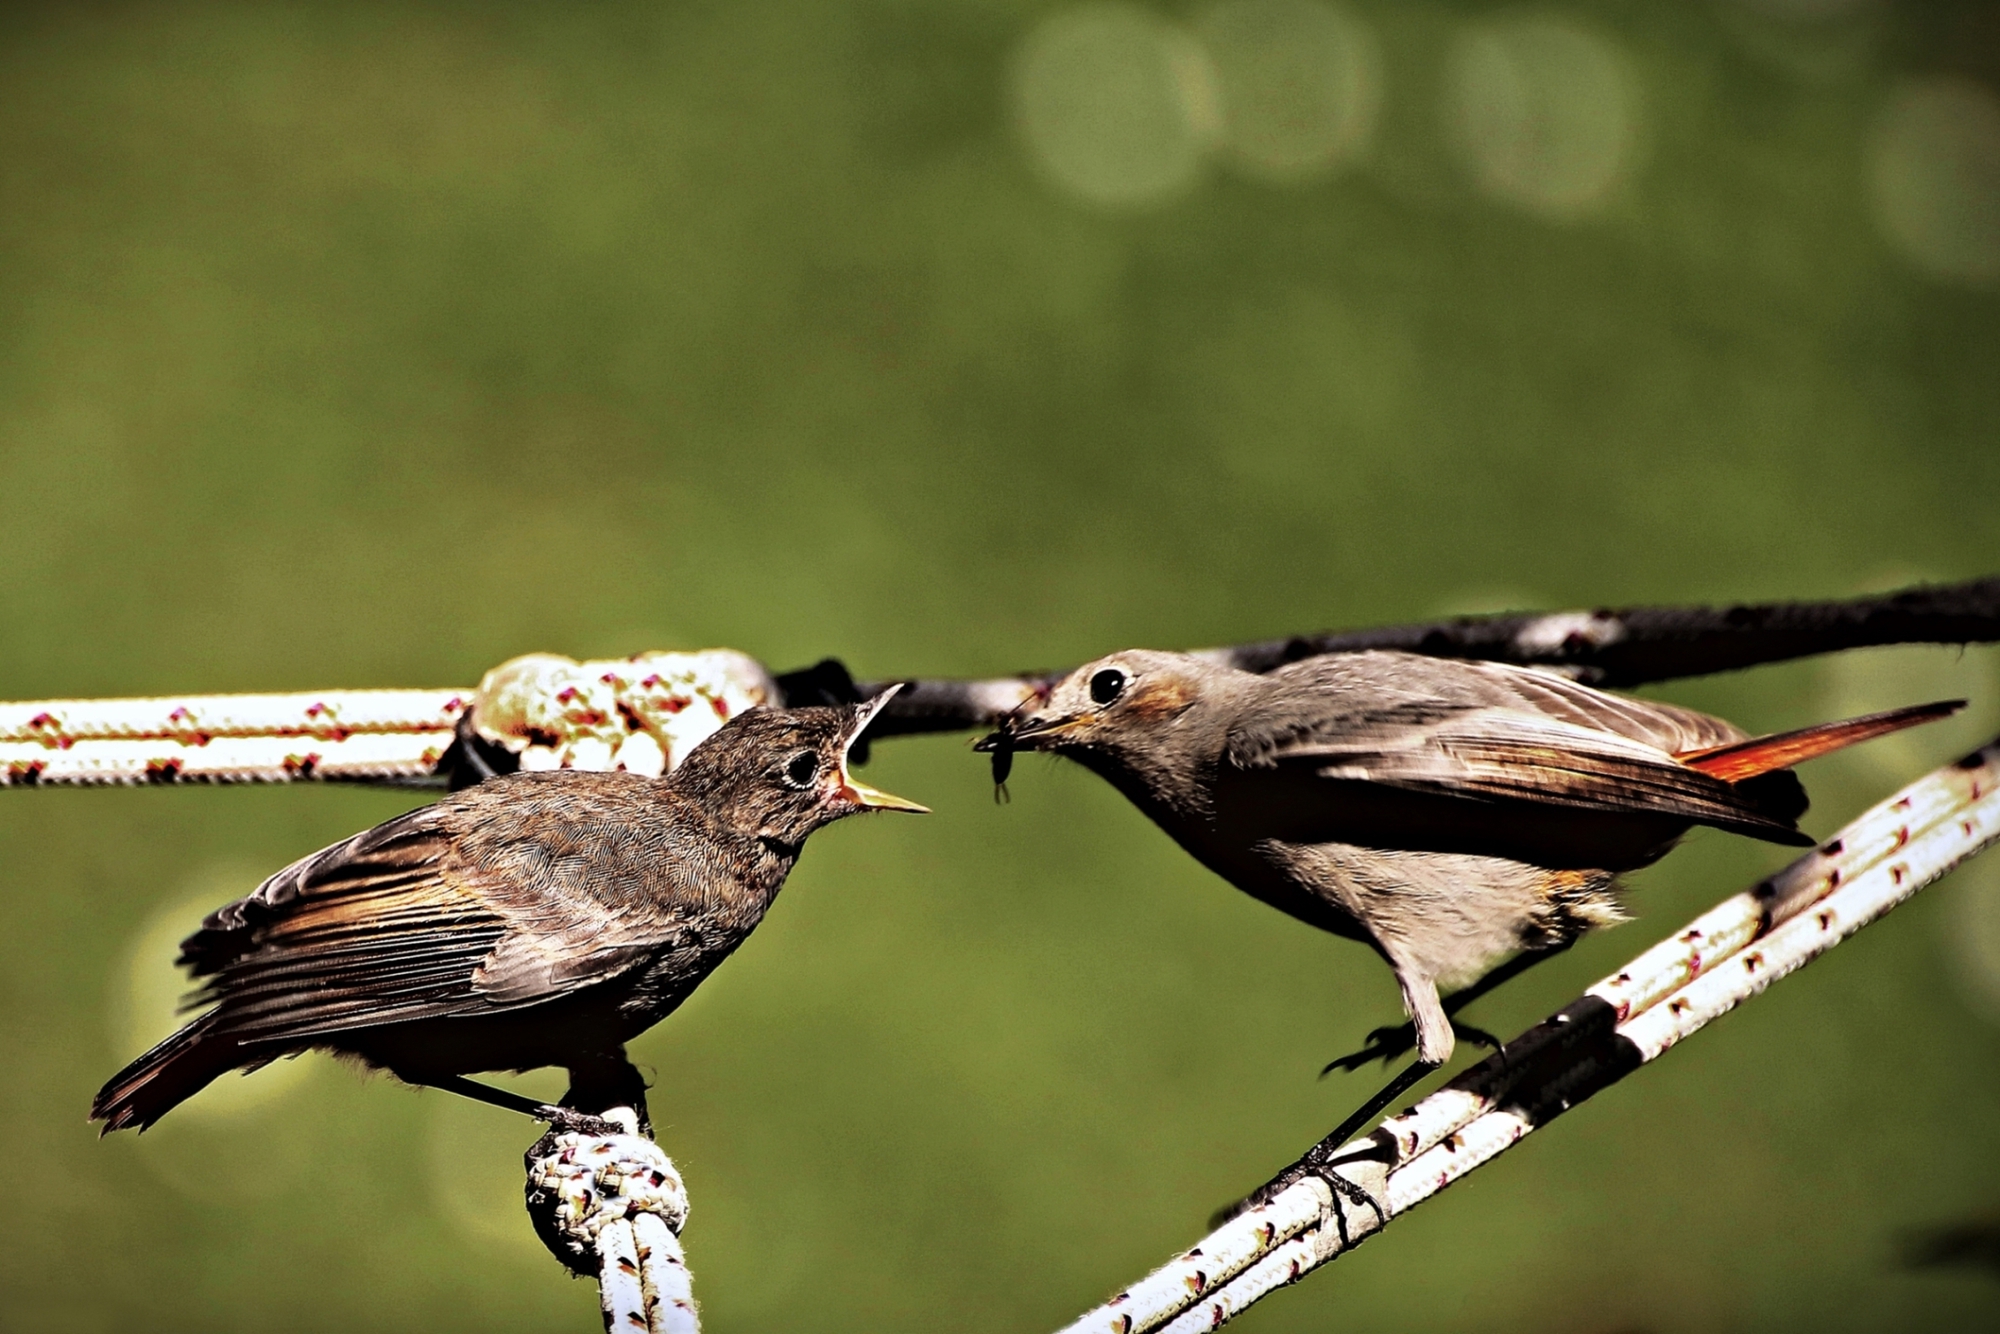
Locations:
(640, 714)
(1723, 958)
(613, 1206)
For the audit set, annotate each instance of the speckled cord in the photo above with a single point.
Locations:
(613, 1206)
(638, 714)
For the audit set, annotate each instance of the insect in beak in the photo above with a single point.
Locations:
(1003, 741)
(999, 744)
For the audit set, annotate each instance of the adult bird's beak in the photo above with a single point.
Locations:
(1020, 731)
(858, 792)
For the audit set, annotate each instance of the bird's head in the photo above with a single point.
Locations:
(1119, 713)
(781, 774)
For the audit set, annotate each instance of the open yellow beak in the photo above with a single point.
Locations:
(860, 793)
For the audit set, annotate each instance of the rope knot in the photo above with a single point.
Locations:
(579, 1181)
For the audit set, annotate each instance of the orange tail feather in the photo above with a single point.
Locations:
(1764, 754)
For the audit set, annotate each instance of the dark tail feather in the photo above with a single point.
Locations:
(165, 1077)
(1767, 754)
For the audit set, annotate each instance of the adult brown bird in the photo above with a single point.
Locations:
(536, 919)
(1445, 812)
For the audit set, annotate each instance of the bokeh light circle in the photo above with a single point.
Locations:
(1544, 113)
(1934, 173)
(1117, 105)
(1299, 84)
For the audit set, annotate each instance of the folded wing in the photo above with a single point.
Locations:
(386, 927)
(1484, 732)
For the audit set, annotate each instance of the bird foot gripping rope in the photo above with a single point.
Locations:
(611, 1206)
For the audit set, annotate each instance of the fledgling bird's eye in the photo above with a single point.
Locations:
(1107, 685)
(801, 769)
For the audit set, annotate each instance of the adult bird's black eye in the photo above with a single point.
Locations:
(1107, 685)
(801, 769)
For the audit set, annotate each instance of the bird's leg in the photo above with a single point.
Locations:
(1319, 1159)
(561, 1118)
(1434, 1044)
(1385, 1044)
(608, 1080)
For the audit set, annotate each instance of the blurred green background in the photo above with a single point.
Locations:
(348, 345)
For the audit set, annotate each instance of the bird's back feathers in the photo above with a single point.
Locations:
(445, 913)
(1489, 732)
(1484, 732)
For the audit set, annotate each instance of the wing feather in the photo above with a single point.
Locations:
(1487, 732)
(389, 926)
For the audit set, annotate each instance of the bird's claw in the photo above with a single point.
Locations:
(1355, 1196)
(1387, 1043)
(1271, 1190)
(1384, 1044)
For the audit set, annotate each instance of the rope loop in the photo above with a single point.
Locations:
(580, 1182)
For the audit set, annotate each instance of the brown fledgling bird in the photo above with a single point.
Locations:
(536, 919)
(1445, 812)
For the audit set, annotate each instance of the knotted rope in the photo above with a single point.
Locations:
(540, 711)
(611, 1206)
